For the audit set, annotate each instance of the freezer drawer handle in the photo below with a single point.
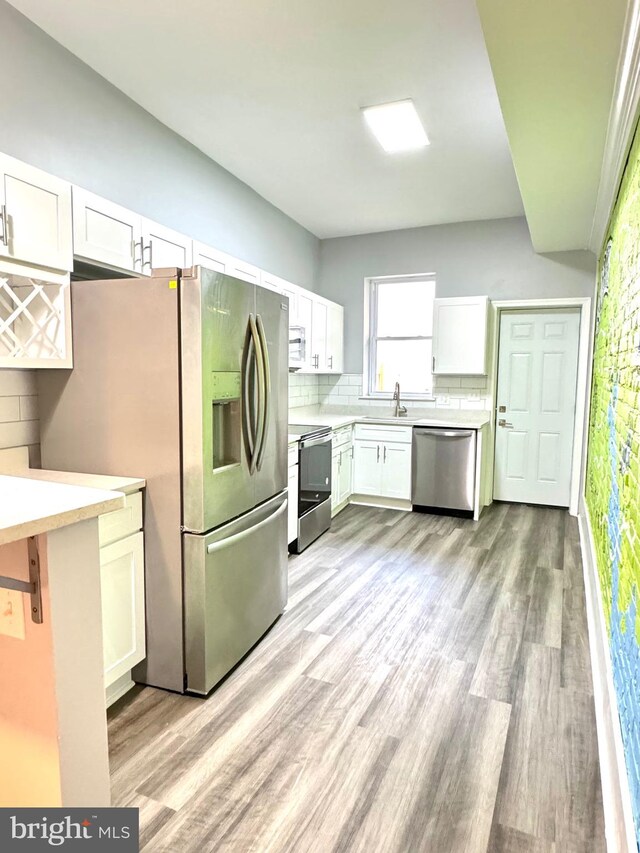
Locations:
(236, 537)
(441, 433)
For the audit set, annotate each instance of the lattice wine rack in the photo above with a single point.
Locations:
(35, 322)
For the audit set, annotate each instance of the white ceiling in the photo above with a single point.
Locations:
(272, 91)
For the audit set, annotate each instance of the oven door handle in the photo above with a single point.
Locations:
(312, 442)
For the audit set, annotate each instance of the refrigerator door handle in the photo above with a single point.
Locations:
(266, 415)
(249, 427)
(259, 365)
(236, 537)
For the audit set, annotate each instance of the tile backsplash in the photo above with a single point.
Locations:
(450, 392)
(303, 389)
(19, 424)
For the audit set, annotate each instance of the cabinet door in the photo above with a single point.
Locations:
(210, 258)
(272, 282)
(318, 335)
(304, 319)
(335, 338)
(335, 479)
(36, 220)
(292, 294)
(367, 467)
(163, 247)
(346, 466)
(247, 272)
(460, 336)
(292, 522)
(105, 233)
(123, 610)
(396, 471)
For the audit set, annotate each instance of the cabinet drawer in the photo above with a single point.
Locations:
(292, 457)
(341, 437)
(121, 522)
(372, 432)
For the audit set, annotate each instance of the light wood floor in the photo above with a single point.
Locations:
(428, 689)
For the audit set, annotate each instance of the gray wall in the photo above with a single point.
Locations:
(494, 257)
(58, 114)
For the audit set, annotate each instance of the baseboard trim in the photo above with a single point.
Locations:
(118, 688)
(618, 814)
(381, 503)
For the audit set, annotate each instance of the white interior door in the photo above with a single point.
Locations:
(536, 401)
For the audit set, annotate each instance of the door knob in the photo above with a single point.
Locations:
(503, 423)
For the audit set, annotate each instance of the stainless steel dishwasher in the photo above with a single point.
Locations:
(443, 468)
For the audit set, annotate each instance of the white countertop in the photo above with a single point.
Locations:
(31, 506)
(88, 481)
(449, 418)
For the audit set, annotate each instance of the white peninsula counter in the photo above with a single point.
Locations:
(53, 734)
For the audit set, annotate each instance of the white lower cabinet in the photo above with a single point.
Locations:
(396, 471)
(292, 522)
(341, 468)
(345, 473)
(335, 478)
(382, 462)
(122, 587)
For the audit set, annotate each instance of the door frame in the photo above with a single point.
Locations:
(583, 304)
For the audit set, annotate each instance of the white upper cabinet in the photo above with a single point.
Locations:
(105, 233)
(109, 235)
(326, 339)
(301, 311)
(319, 335)
(335, 338)
(162, 247)
(247, 272)
(460, 336)
(212, 259)
(36, 216)
(274, 282)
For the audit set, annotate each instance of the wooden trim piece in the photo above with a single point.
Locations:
(618, 814)
(622, 119)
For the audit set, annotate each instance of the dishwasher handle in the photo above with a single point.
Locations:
(445, 433)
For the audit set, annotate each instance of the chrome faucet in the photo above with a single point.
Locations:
(400, 410)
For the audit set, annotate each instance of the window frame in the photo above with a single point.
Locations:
(371, 339)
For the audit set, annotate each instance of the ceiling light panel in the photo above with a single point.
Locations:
(396, 126)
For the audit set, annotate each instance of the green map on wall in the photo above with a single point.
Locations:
(613, 466)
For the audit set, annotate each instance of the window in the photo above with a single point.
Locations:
(400, 335)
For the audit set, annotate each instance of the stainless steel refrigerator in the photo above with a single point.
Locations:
(181, 378)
